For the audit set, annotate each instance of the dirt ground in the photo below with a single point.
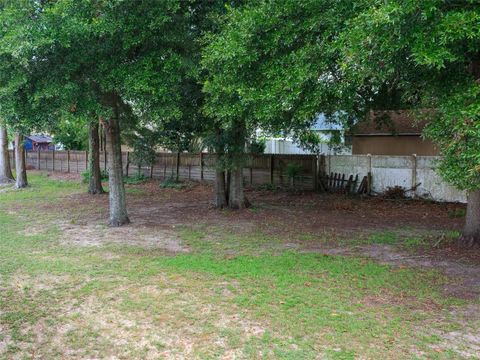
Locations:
(306, 221)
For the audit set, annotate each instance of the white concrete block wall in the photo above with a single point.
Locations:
(432, 184)
(389, 171)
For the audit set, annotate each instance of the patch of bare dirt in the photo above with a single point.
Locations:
(141, 236)
(275, 212)
(464, 339)
(63, 176)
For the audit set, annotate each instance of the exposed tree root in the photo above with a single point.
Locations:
(468, 242)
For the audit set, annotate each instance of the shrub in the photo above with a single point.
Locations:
(293, 172)
(86, 176)
(268, 187)
(257, 146)
(171, 183)
(135, 179)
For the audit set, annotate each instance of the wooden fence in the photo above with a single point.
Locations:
(376, 173)
(261, 169)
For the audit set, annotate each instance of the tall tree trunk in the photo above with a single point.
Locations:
(6, 175)
(220, 190)
(118, 206)
(236, 195)
(95, 181)
(471, 231)
(20, 166)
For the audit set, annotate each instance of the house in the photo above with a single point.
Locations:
(323, 128)
(391, 133)
(38, 142)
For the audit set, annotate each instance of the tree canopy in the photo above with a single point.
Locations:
(427, 51)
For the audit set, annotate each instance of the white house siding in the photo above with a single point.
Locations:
(280, 146)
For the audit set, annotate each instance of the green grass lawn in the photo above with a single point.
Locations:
(126, 302)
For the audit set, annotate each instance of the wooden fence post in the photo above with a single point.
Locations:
(53, 160)
(86, 160)
(68, 161)
(315, 173)
(414, 174)
(369, 174)
(127, 165)
(177, 165)
(151, 171)
(38, 159)
(272, 162)
(164, 167)
(201, 165)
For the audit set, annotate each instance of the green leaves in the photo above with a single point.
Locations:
(274, 65)
(427, 52)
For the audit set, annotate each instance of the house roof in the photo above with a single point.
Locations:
(390, 122)
(40, 138)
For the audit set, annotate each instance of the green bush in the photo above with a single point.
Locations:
(86, 176)
(293, 170)
(135, 179)
(293, 173)
(268, 187)
(257, 146)
(171, 183)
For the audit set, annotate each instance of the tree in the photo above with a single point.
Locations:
(95, 174)
(6, 175)
(71, 132)
(109, 57)
(428, 52)
(14, 92)
(271, 66)
(20, 163)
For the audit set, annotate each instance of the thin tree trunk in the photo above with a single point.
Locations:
(118, 206)
(471, 231)
(6, 175)
(95, 182)
(220, 190)
(20, 166)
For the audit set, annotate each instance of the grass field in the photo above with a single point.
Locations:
(230, 296)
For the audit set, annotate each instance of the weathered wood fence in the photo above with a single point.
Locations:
(261, 169)
(376, 172)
